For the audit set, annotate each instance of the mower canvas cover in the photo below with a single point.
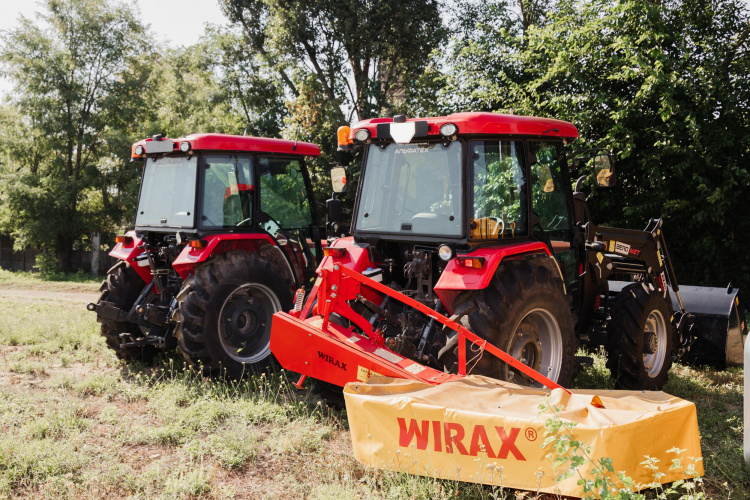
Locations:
(482, 430)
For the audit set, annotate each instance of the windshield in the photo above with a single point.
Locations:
(412, 189)
(168, 192)
(227, 192)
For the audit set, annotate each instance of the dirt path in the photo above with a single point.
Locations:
(29, 295)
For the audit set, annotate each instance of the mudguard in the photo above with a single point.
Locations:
(217, 244)
(457, 278)
(357, 256)
(129, 252)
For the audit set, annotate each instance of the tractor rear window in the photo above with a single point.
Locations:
(168, 193)
(412, 189)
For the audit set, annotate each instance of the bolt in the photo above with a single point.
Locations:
(333, 295)
(334, 288)
(305, 362)
(336, 267)
(229, 320)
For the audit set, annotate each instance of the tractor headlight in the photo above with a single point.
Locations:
(138, 150)
(185, 146)
(362, 135)
(445, 252)
(449, 130)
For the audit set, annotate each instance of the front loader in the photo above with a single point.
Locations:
(467, 235)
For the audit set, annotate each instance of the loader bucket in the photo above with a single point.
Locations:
(715, 322)
(481, 430)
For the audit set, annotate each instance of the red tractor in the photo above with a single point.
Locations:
(468, 238)
(225, 232)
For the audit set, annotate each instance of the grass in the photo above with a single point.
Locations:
(70, 282)
(75, 422)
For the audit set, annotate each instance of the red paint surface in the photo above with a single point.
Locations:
(456, 278)
(225, 142)
(128, 252)
(485, 124)
(356, 258)
(217, 244)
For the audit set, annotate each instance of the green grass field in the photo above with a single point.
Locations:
(75, 422)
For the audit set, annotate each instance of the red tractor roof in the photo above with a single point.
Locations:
(225, 142)
(485, 124)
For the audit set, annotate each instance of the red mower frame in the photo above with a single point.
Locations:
(316, 345)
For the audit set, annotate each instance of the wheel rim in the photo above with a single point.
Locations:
(655, 343)
(537, 343)
(245, 322)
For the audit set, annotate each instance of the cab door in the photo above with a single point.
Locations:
(552, 205)
(285, 210)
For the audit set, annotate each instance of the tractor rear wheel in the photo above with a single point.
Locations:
(224, 314)
(640, 338)
(121, 289)
(524, 312)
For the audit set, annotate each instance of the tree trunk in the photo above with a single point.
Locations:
(66, 254)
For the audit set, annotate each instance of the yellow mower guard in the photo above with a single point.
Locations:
(481, 430)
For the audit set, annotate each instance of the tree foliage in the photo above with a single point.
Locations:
(77, 76)
(665, 84)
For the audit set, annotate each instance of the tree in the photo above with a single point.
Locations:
(364, 54)
(667, 86)
(78, 76)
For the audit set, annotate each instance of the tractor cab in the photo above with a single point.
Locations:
(213, 184)
(447, 185)
(224, 235)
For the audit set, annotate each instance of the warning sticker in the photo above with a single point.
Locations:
(353, 339)
(415, 368)
(386, 354)
(363, 374)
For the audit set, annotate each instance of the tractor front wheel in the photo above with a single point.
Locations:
(640, 338)
(121, 289)
(225, 311)
(524, 312)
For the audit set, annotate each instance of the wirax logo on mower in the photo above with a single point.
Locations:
(330, 359)
(454, 436)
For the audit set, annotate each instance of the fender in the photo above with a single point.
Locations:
(456, 279)
(357, 257)
(216, 244)
(127, 252)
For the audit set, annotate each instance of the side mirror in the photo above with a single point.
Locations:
(604, 169)
(338, 180)
(602, 162)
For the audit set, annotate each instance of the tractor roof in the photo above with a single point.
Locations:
(485, 124)
(225, 142)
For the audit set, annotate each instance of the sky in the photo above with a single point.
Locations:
(173, 22)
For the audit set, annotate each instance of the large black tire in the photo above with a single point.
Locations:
(121, 289)
(225, 310)
(640, 338)
(525, 312)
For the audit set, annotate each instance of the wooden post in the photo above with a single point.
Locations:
(95, 243)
